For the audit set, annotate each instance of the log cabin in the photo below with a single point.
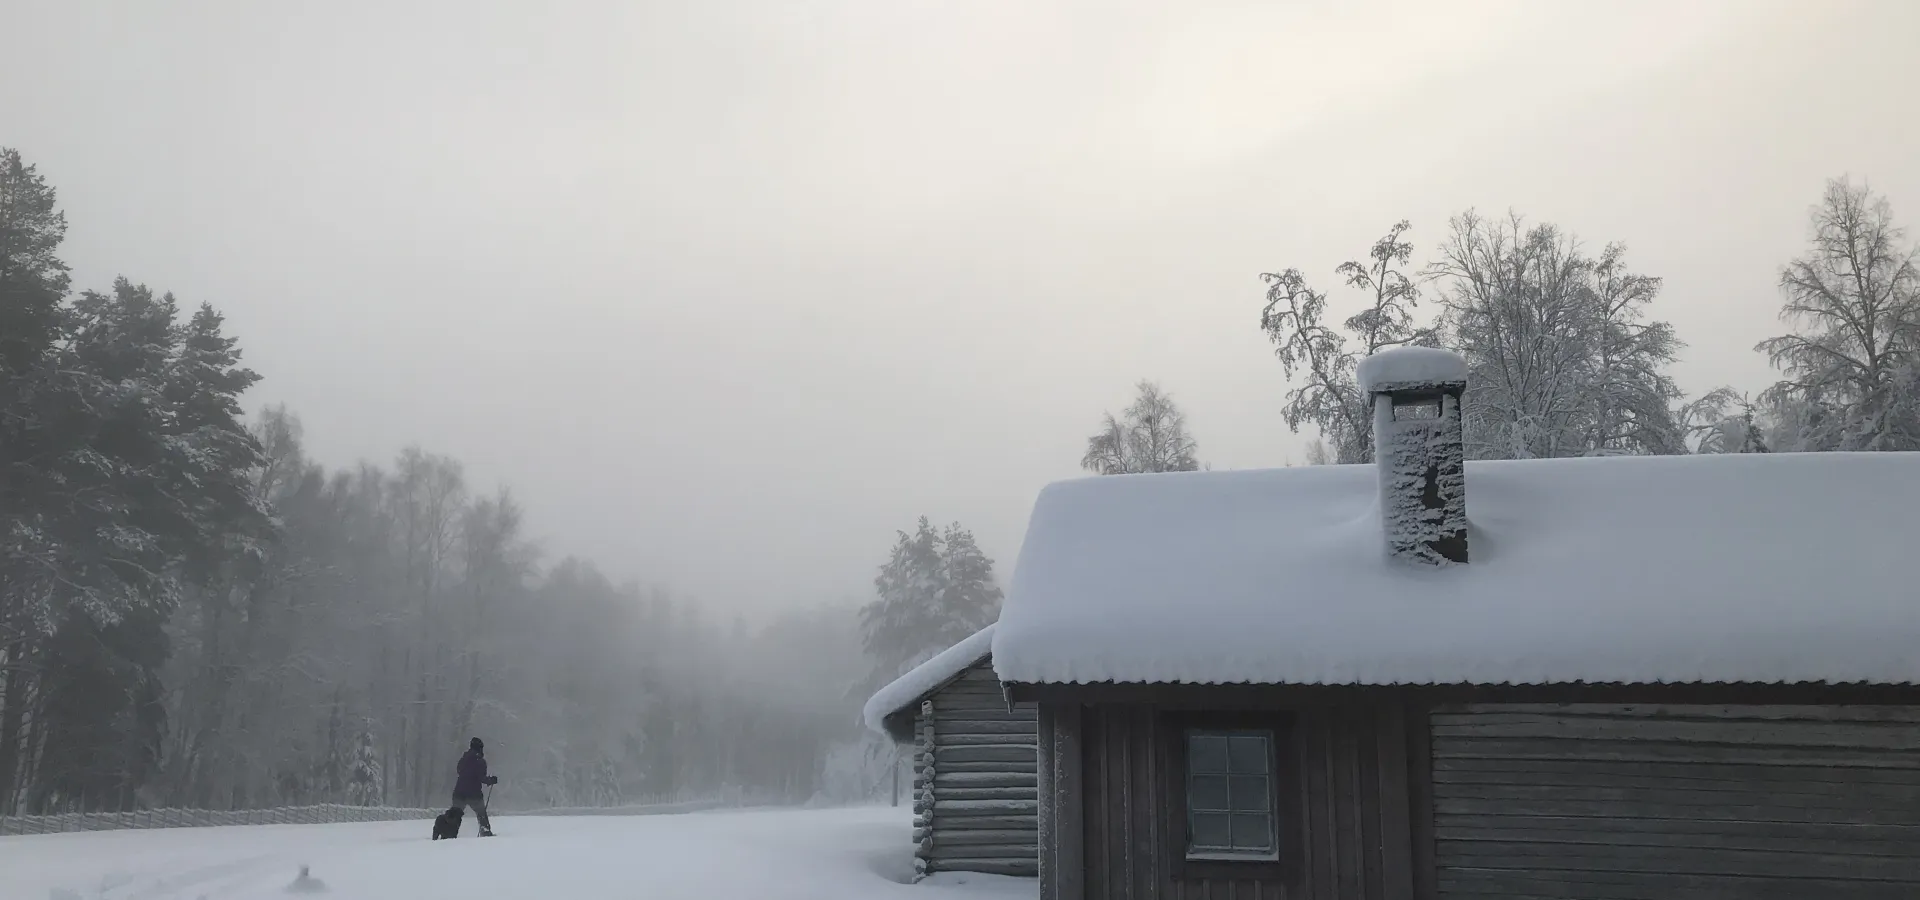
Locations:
(1680, 677)
(975, 804)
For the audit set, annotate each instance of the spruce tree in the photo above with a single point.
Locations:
(935, 589)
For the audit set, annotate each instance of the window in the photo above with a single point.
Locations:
(1230, 794)
(1231, 782)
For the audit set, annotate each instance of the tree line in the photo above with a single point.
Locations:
(195, 613)
(1564, 358)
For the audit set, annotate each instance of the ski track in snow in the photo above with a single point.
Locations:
(837, 854)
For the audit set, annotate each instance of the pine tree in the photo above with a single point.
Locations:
(218, 453)
(33, 279)
(33, 282)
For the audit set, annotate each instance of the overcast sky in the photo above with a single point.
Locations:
(728, 292)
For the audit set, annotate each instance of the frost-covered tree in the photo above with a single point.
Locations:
(1632, 398)
(1294, 318)
(1563, 361)
(364, 778)
(1151, 436)
(1724, 421)
(1318, 454)
(1853, 365)
(859, 770)
(934, 590)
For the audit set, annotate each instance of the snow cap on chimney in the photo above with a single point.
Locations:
(1418, 448)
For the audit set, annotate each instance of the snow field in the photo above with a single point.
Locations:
(836, 854)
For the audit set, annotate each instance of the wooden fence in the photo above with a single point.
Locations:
(319, 814)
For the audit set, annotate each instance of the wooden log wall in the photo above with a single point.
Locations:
(925, 769)
(978, 809)
(1613, 801)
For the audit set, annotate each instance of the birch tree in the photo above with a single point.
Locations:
(1295, 320)
(1724, 421)
(1561, 358)
(1854, 360)
(1151, 436)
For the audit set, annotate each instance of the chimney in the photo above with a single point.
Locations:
(1418, 448)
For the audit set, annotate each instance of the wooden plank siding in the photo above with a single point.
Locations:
(1063, 874)
(1350, 836)
(1552, 792)
(976, 779)
(1679, 802)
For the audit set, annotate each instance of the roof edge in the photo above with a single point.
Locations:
(906, 692)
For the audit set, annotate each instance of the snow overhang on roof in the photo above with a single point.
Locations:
(887, 707)
(1751, 568)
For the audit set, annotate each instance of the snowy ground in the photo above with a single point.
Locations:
(844, 854)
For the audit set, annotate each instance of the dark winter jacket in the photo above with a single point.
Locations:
(473, 774)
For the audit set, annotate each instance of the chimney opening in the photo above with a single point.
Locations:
(1425, 406)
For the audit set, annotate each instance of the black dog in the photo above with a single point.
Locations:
(447, 824)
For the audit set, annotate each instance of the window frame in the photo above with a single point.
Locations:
(1284, 797)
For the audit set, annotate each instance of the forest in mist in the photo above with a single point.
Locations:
(194, 612)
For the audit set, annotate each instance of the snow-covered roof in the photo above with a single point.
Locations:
(903, 693)
(1734, 568)
(1410, 365)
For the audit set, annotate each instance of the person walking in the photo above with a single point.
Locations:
(469, 785)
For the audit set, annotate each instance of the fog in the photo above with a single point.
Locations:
(728, 293)
(717, 282)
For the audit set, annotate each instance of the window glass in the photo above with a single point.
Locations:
(1230, 794)
(1250, 793)
(1252, 832)
(1210, 792)
(1247, 754)
(1207, 753)
(1212, 830)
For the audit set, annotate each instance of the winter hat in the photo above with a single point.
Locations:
(477, 745)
